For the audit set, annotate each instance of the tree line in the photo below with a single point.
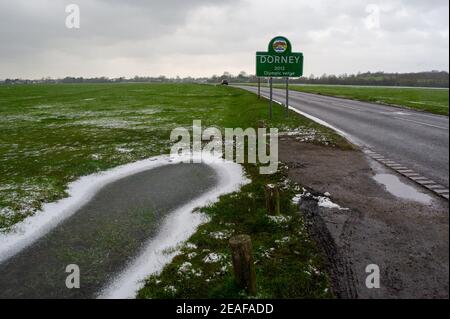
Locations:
(418, 79)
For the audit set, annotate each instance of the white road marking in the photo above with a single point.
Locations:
(408, 173)
(429, 182)
(419, 178)
(421, 123)
(347, 107)
(423, 181)
(436, 187)
(326, 99)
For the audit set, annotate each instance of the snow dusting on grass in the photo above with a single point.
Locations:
(281, 246)
(308, 135)
(54, 134)
(190, 246)
(221, 235)
(283, 240)
(213, 258)
(279, 219)
(296, 199)
(79, 130)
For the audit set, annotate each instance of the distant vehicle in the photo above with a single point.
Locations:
(224, 82)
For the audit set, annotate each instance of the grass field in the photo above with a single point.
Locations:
(287, 262)
(423, 99)
(53, 134)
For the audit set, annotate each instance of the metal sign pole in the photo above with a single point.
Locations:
(278, 61)
(270, 103)
(287, 96)
(259, 87)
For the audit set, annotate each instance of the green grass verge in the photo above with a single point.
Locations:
(288, 264)
(423, 99)
(53, 134)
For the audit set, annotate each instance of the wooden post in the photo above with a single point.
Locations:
(272, 199)
(243, 265)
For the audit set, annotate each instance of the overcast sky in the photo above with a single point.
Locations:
(202, 38)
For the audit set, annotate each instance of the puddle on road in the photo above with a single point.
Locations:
(399, 189)
(104, 235)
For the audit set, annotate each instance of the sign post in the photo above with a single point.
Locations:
(279, 61)
(287, 96)
(259, 87)
(270, 102)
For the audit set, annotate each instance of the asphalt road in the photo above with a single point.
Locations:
(417, 140)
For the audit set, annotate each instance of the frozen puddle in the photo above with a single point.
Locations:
(118, 227)
(399, 189)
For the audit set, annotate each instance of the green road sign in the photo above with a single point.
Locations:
(279, 61)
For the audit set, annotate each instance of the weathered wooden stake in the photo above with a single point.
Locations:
(272, 199)
(243, 265)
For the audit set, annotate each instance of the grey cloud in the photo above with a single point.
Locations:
(201, 37)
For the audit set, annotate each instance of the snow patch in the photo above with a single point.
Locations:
(123, 150)
(177, 228)
(190, 246)
(283, 240)
(108, 123)
(185, 267)
(170, 289)
(221, 234)
(279, 219)
(213, 258)
(324, 201)
(191, 255)
(6, 212)
(296, 199)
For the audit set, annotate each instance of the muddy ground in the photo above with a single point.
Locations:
(408, 240)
